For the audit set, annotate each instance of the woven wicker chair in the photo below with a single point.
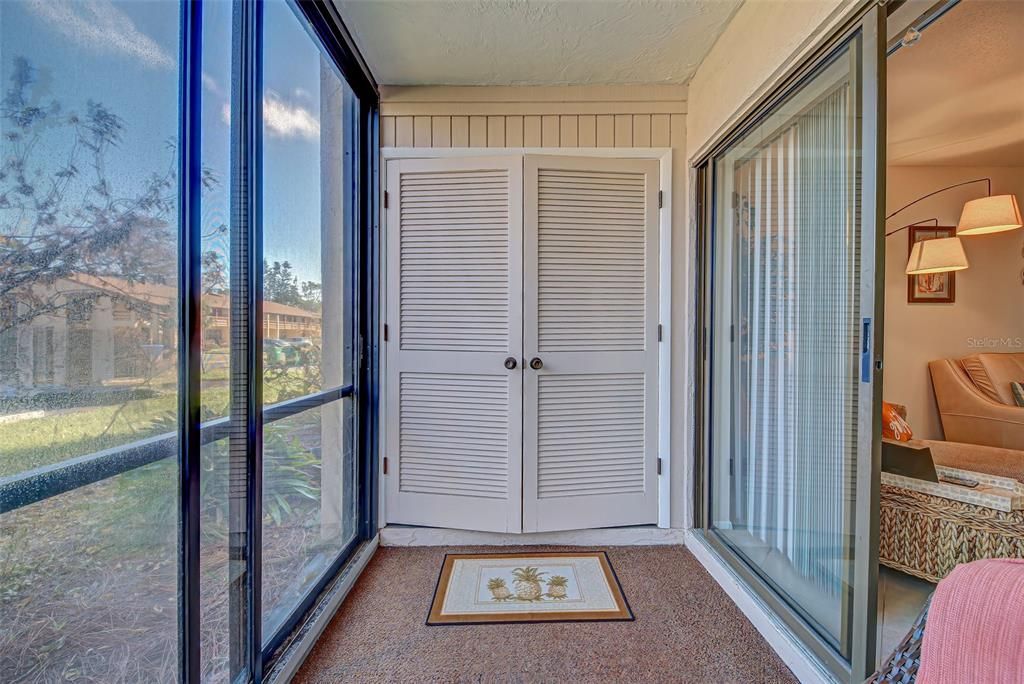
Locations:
(906, 659)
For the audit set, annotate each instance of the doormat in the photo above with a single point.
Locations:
(489, 588)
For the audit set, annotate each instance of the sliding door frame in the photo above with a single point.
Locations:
(860, 612)
(256, 651)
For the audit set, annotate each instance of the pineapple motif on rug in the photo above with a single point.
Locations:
(481, 588)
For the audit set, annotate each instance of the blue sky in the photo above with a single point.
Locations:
(125, 55)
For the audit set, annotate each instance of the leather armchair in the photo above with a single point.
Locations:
(975, 402)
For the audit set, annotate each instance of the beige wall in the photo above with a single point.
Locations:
(763, 39)
(989, 307)
(567, 117)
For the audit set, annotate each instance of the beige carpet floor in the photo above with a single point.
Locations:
(686, 630)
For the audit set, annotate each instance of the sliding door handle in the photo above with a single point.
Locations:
(536, 363)
(865, 350)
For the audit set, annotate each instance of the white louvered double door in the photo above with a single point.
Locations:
(548, 264)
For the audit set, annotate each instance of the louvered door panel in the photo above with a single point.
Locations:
(453, 411)
(590, 434)
(590, 315)
(454, 434)
(590, 260)
(455, 260)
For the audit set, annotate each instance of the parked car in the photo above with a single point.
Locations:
(280, 353)
(302, 343)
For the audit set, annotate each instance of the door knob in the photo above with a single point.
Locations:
(510, 363)
(536, 363)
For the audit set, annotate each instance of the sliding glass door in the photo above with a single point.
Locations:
(790, 377)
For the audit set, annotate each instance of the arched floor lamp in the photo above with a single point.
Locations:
(988, 214)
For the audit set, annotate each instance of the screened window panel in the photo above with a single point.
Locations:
(88, 347)
(127, 168)
(310, 133)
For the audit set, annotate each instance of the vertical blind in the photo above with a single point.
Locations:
(796, 266)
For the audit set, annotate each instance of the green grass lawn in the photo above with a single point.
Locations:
(28, 444)
(35, 442)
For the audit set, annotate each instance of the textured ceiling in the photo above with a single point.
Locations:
(956, 98)
(534, 42)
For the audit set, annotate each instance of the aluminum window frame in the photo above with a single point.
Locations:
(328, 31)
(868, 20)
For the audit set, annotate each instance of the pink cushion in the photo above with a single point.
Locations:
(975, 627)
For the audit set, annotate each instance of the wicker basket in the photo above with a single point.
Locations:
(927, 536)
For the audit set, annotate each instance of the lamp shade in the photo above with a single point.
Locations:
(937, 256)
(989, 215)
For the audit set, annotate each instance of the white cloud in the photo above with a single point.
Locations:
(102, 27)
(287, 120)
(281, 118)
(210, 83)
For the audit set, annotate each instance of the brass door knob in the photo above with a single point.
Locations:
(536, 363)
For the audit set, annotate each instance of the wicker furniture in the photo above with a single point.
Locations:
(905, 660)
(925, 532)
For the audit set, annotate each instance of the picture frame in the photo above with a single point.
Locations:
(931, 288)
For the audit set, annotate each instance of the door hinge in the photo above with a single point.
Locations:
(661, 199)
(386, 335)
(385, 469)
(387, 200)
(659, 332)
(659, 465)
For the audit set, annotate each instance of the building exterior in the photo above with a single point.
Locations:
(95, 331)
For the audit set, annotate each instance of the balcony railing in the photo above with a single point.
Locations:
(47, 481)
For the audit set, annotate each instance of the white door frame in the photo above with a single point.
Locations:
(664, 156)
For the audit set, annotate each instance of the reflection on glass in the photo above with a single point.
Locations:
(308, 503)
(786, 331)
(88, 303)
(215, 649)
(309, 124)
(89, 582)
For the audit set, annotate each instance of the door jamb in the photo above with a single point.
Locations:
(664, 155)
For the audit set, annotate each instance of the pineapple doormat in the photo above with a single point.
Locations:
(486, 588)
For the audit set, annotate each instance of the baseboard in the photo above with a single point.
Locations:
(798, 659)
(291, 660)
(401, 535)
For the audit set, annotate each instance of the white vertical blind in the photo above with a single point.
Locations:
(795, 331)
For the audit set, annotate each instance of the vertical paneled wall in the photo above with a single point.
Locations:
(531, 130)
(576, 116)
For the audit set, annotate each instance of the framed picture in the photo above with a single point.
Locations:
(931, 288)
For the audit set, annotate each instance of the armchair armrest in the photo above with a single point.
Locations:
(970, 417)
